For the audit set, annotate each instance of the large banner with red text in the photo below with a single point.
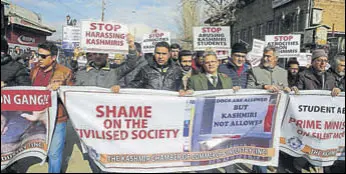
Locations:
(157, 131)
(314, 127)
(27, 123)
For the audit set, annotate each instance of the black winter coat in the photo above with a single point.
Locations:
(14, 73)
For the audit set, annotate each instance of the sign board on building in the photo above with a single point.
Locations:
(317, 16)
(217, 38)
(277, 3)
(150, 40)
(103, 37)
(289, 45)
(321, 35)
(71, 37)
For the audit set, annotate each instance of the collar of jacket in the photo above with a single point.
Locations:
(232, 65)
(91, 66)
(5, 59)
(51, 67)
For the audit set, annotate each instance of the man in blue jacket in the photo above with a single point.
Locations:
(237, 69)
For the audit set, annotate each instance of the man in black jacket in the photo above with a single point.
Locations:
(161, 73)
(13, 73)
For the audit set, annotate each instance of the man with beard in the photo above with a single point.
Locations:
(269, 75)
(338, 70)
(316, 77)
(175, 49)
(185, 60)
(293, 70)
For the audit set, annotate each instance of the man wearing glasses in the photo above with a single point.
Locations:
(52, 75)
(316, 77)
(237, 69)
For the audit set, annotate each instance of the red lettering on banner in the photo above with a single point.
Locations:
(25, 100)
(306, 124)
(155, 134)
(102, 26)
(283, 38)
(211, 29)
(122, 111)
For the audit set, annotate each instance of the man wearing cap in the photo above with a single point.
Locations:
(316, 77)
(237, 69)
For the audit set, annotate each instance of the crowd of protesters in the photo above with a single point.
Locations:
(168, 68)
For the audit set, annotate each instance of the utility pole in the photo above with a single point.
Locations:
(103, 10)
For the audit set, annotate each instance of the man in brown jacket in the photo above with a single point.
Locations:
(52, 75)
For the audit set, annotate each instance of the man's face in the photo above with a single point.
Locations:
(175, 54)
(238, 59)
(320, 64)
(68, 18)
(162, 55)
(211, 64)
(200, 61)
(45, 59)
(341, 68)
(186, 62)
(269, 60)
(99, 59)
(17, 49)
(293, 69)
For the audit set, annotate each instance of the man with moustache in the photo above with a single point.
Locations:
(237, 68)
(338, 70)
(316, 77)
(185, 61)
(293, 70)
(269, 75)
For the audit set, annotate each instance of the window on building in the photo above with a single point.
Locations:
(270, 28)
(250, 34)
(244, 36)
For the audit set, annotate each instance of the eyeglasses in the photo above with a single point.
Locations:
(321, 60)
(43, 56)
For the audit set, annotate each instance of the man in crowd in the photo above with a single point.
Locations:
(269, 75)
(237, 69)
(52, 75)
(141, 62)
(338, 70)
(175, 49)
(98, 73)
(293, 71)
(316, 77)
(210, 79)
(12, 72)
(69, 20)
(198, 62)
(185, 61)
(161, 73)
(17, 55)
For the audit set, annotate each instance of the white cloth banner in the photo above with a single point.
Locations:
(28, 116)
(157, 131)
(314, 127)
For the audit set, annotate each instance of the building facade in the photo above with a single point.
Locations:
(24, 28)
(256, 18)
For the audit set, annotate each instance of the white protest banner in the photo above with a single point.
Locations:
(71, 37)
(289, 45)
(211, 37)
(258, 47)
(314, 127)
(137, 132)
(27, 122)
(150, 40)
(304, 59)
(222, 54)
(103, 37)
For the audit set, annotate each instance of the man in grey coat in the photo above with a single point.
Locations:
(98, 72)
(269, 75)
